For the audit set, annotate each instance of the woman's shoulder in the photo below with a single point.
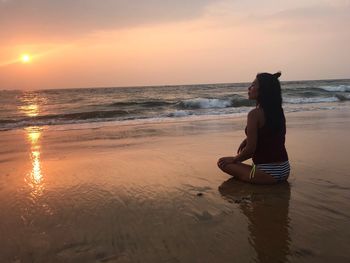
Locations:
(256, 113)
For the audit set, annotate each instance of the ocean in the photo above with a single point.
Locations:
(71, 108)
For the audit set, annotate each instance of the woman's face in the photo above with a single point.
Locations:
(253, 90)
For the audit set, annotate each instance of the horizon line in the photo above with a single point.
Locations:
(166, 85)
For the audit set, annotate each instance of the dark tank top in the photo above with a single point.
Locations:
(270, 147)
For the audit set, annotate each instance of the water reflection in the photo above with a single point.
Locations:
(266, 208)
(31, 110)
(29, 104)
(35, 177)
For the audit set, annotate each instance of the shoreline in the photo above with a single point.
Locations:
(172, 120)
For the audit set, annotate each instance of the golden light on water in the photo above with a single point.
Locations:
(30, 110)
(35, 176)
(34, 137)
(36, 170)
(31, 103)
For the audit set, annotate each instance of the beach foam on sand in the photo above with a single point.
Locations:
(153, 193)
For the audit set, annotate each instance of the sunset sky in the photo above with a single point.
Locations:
(94, 43)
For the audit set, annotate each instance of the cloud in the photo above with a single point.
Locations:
(288, 17)
(313, 20)
(61, 18)
(311, 12)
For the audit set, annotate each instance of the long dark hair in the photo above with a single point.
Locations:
(270, 100)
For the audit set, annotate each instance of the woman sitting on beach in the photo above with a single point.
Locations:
(265, 131)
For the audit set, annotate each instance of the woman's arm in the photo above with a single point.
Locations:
(252, 136)
(242, 145)
(249, 149)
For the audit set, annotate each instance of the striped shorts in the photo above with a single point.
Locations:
(279, 171)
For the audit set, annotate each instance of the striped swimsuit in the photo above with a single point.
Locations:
(279, 171)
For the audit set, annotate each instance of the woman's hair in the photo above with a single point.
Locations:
(270, 100)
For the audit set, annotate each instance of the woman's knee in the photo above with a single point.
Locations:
(224, 161)
(221, 163)
(229, 168)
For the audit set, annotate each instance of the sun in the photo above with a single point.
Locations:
(26, 58)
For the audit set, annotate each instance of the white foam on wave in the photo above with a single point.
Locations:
(204, 103)
(340, 88)
(155, 120)
(309, 100)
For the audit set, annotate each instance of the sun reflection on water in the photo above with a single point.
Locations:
(31, 104)
(31, 110)
(35, 177)
(36, 172)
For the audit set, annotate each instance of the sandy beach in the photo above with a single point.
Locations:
(153, 193)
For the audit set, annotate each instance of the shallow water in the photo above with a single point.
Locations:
(153, 193)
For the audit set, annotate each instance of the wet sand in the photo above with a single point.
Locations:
(153, 193)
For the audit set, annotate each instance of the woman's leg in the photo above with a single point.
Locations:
(242, 172)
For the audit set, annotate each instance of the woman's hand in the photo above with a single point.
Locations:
(223, 161)
(242, 146)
